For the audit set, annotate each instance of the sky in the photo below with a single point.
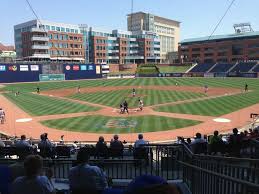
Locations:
(198, 17)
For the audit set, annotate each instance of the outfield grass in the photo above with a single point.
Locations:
(214, 107)
(150, 97)
(211, 82)
(118, 125)
(37, 105)
(173, 69)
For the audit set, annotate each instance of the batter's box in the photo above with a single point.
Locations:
(121, 123)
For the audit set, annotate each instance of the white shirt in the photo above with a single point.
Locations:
(37, 185)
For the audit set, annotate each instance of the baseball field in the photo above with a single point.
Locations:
(172, 107)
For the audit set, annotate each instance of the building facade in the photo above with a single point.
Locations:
(167, 30)
(50, 41)
(123, 47)
(46, 41)
(220, 48)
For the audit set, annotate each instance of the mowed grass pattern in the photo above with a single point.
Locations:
(37, 105)
(98, 124)
(211, 82)
(150, 97)
(214, 107)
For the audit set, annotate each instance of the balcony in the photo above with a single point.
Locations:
(134, 57)
(40, 38)
(39, 55)
(40, 47)
(113, 57)
(113, 51)
(157, 46)
(113, 44)
(38, 30)
(133, 45)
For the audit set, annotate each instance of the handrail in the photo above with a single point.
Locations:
(220, 175)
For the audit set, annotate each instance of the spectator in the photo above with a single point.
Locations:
(148, 184)
(84, 178)
(116, 147)
(215, 138)
(45, 146)
(189, 141)
(101, 148)
(2, 144)
(32, 182)
(198, 139)
(61, 141)
(116, 143)
(199, 145)
(234, 143)
(140, 141)
(22, 143)
(17, 169)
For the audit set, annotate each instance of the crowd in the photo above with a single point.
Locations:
(28, 175)
(235, 144)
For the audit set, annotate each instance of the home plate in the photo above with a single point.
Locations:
(24, 120)
(222, 120)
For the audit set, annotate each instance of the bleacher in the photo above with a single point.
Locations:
(201, 68)
(243, 67)
(256, 69)
(221, 68)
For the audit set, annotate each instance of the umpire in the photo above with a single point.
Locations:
(125, 106)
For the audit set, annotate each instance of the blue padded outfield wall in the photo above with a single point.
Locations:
(10, 73)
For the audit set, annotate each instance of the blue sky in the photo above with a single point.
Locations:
(198, 17)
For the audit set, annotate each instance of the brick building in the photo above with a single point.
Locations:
(220, 48)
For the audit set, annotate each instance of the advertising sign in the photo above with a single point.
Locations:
(52, 77)
(24, 68)
(2, 68)
(34, 67)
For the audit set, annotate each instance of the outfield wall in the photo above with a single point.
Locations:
(10, 73)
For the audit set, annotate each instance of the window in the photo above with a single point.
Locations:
(58, 29)
(50, 36)
(50, 44)
(55, 36)
(62, 29)
(67, 30)
(60, 37)
(53, 28)
(72, 31)
(56, 45)
(76, 31)
(47, 27)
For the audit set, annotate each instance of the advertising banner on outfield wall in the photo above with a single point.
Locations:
(249, 75)
(197, 74)
(208, 74)
(170, 75)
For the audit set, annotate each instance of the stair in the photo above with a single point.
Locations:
(251, 70)
(211, 68)
(232, 67)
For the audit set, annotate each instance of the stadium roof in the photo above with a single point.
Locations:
(220, 37)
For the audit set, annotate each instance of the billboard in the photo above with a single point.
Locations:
(52, 77)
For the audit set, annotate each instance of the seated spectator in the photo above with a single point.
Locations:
(199, 145)
(22, 143)
(148, 184)
(17, 169)
(101, 148)
(45, 146)
(32, 182)
(216, 144)
(61, 141)
(189, 141)
(140, 141)
(234, 143)
(116, 146)
(2, 144)
(86, 179)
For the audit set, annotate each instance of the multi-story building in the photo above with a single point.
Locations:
(122, 47)
(50, 41)
(168, 30)
(220, 48)
(44, 40)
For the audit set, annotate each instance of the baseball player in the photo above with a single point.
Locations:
(125, 107)
(134, 92)
(206, 88)
(38, 90)
(141, 104)
(78, 89)
(246, 88)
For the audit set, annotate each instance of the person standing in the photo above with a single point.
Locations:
(246, 88)
(134, 92)
(78, 89)
(125, 105)
(206, 88)
(141, 104)
(38, 90)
